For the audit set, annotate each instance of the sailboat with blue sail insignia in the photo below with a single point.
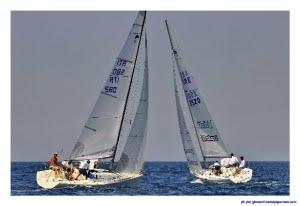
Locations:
(203, 133)
(121, 111)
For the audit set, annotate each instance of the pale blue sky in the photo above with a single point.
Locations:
(240, 60)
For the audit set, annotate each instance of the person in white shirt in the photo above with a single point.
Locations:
(243, 162)
(241, 166)
(84, 168)
(234, 162)
(85, 165)
(94, 163)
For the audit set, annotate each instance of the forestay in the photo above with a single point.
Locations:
(188, 146)
(131, 160)
(100, 134)
(210, 142)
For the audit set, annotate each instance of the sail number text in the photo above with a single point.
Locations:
(185, 78)
(194, 101)
(206, 124)
(114, 77)
(109, 89)
(192, 97)
(120, 62)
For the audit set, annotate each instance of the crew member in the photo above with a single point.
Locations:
(54, 165)
(214, 165)
(234, 162)
(84, 168)
(243, 162)
(241, 166)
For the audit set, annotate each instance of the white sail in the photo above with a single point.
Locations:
(188, 145)
(132, 160)
(210, 142)
(100, 134)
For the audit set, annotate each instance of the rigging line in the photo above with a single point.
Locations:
(122, 120)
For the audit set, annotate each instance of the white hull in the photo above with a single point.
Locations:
(228, 176)
(47, 180)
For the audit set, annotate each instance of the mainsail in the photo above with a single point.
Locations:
(132, 160)
(188, 145)
(209, 139)
(100, 135)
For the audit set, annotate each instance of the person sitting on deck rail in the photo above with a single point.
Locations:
(243, 162)
(241, 166)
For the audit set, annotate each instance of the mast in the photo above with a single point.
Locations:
(176, 58)
(126, 101)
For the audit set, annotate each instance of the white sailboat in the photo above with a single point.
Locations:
(206, 134)
(111, 119)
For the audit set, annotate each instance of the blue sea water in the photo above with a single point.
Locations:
(162, 178)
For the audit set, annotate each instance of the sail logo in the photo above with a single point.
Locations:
(209, 138)
(206, 124)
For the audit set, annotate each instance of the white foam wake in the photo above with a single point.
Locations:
(197, 181)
